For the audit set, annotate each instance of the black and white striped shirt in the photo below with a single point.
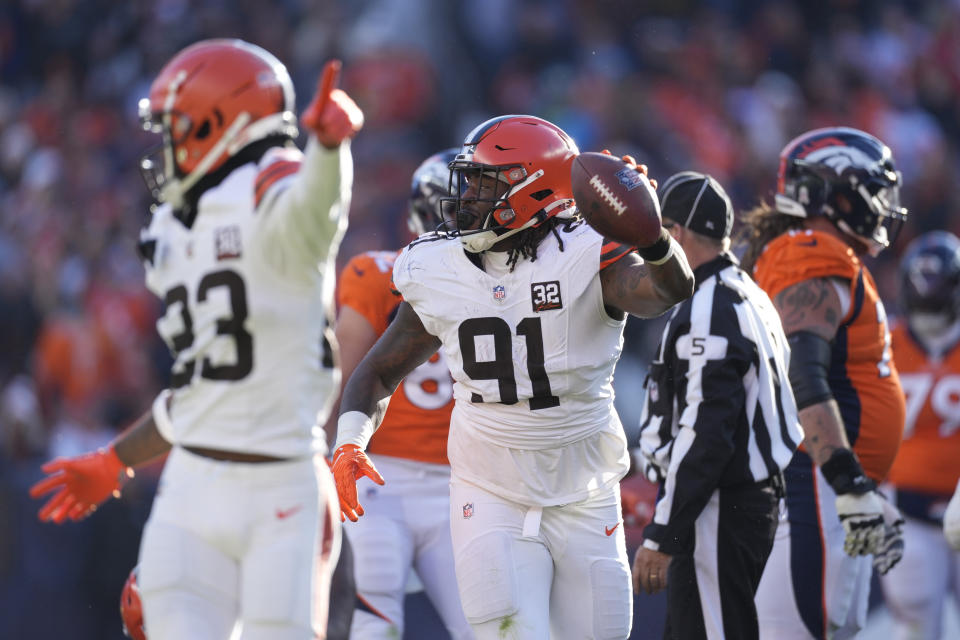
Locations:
(719, 409)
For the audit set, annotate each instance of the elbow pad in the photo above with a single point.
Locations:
(810, 356)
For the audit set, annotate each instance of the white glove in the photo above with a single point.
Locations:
(862, 519)
(891, 546)
(951, 520)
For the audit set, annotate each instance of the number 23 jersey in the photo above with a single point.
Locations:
(246, 292)
(532, 354)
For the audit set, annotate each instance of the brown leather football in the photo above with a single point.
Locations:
(617, 201)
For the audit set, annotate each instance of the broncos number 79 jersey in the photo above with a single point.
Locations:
(246, 294)
(929, 456)
(532, 354)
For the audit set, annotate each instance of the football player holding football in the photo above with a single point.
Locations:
(837, 200)
(528, 304)
(240, 248)
(407, 521)
(926, 346)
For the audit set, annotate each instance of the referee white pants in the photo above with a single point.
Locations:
(540, 573)
(228, 542)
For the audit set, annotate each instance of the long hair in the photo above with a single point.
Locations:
(529, 239)
(762, 224)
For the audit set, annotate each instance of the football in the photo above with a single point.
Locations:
(617, 201)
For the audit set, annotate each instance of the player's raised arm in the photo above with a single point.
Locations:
(310, 206)
(618, 200)
(648, 288)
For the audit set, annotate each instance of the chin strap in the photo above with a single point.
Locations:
(480, 241)
(484, 240)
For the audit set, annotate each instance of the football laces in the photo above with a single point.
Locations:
(607, 195)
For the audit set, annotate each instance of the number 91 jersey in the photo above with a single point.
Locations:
(531, 352)
(246, 304)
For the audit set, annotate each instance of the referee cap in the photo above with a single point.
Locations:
(698, 202)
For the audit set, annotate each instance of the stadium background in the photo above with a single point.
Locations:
(717, 86)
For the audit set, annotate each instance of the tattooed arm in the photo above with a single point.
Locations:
(814, 306)
(646, 290)
(811, 305)
(404, 346)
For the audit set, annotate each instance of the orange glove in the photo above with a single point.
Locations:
(332, 115)
(350, 464)
(84, 483)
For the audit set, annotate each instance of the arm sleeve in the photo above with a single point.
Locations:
(305, 213)
(611, 251)
(709, 360)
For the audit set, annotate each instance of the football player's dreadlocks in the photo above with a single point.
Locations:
(530, 239)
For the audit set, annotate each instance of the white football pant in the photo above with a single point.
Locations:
(535, 573)
(230, 541)
(405, 526)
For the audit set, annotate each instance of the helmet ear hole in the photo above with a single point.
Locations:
(204, 130)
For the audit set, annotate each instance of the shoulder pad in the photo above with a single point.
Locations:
(802, 255)
(275, 165)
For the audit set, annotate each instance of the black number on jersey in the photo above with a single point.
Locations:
(501, 367)
(181, 375)
(231, 326)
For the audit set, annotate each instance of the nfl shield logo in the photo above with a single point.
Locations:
(468, 510)
(499, 293)
(629, 178)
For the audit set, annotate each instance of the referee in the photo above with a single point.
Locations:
(718, 425)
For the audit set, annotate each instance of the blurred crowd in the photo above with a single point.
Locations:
(718, 86)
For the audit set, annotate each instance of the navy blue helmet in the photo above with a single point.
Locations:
(930, 275)
(847, 175)
(431, 181)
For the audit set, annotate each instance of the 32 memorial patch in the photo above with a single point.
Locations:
(546, 296)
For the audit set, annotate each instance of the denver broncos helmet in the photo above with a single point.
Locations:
(930, 279)
(431, 182)
(532, 157)
(131, 609)
(210, 101)
(847, 175)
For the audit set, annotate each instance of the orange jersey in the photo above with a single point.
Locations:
(418, 418)
(929, 458)
(862, 377)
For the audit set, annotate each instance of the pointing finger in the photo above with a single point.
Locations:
(328, 80)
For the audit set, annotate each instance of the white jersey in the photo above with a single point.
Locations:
(532, 354)
(246, 291)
